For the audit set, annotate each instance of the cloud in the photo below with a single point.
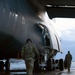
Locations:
(65, 28)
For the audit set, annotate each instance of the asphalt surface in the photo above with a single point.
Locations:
(56, 72)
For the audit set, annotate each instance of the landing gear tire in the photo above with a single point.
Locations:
(36, 66)
(61, 64)
(49, 64)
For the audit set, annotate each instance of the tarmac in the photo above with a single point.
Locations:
(24, 73)
(72, 70)
(56, 72)
(65, 72)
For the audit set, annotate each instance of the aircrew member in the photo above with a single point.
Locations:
(68, 59)
(28, 53)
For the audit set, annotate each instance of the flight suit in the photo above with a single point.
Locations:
(68, 59)
(28, 53)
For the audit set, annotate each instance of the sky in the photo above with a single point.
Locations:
(65, 28)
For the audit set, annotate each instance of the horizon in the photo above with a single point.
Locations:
(65, 28)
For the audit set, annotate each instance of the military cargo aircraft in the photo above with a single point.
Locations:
(23, 19)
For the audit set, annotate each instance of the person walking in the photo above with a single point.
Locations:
(28, 53)
(68, 59)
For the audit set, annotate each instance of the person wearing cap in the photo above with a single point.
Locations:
(28, 53)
